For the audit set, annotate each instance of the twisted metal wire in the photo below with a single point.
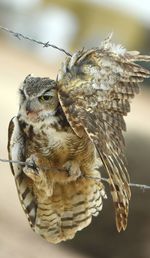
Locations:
(21, 36)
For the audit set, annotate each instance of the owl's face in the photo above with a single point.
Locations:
(38, 99)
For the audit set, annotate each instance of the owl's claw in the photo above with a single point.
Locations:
(32, 165)
(31, 169)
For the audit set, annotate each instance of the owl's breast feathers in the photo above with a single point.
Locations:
(72, 203)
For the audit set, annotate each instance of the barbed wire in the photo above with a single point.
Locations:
(20, 36)
(33, 165)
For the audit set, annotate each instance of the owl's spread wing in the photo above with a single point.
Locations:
(94, 89)
(16, 150)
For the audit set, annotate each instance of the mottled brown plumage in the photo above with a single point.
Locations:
(99, 84)
(67, 127)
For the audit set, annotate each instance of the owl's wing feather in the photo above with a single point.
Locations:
(16, 150)
(94, 89)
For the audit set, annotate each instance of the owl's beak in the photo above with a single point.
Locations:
(31, 113)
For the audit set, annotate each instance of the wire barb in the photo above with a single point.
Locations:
(21, 36)
(33, 165)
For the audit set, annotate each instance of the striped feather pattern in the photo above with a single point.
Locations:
(95, 88)
(69, 209)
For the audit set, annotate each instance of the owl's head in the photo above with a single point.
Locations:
(38, 99)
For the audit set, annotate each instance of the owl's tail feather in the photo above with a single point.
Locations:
(69, 209)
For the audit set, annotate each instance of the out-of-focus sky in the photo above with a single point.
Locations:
(73, 24)
(139, 9)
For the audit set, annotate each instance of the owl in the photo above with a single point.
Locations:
(64, 130)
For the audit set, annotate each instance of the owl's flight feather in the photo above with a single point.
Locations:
(16, 151)
(95, 88)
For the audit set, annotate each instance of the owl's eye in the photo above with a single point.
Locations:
(45, 98)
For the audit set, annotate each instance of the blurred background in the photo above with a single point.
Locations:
(72, 24)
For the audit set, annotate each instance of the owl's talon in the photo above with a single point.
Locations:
(32, 165)
(31, 169)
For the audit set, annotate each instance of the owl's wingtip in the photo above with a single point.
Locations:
(121, 222)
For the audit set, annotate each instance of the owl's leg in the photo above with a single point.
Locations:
(38, 175)
(73, 169)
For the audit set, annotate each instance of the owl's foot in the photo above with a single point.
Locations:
(73, 170)
(38, 176)
(31, 169)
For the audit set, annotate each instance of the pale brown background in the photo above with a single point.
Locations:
(18, 59)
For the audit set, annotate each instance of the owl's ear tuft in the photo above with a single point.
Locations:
(27, 77)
